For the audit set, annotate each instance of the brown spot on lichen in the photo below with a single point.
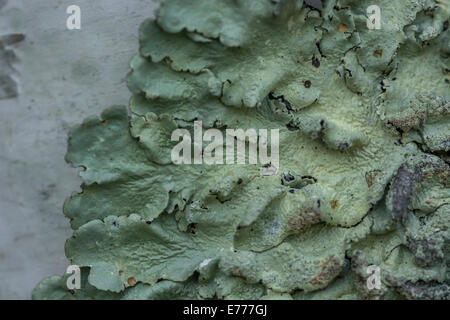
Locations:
(370, 177)
(406, 123)
(342, 27)
(303, 218)
(131, 281)
(378, 53)
(329, 269)
(334, 204)
(237, 272)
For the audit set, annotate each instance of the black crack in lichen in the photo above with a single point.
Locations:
(314, 4)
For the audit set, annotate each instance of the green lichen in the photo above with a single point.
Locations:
(363, 173)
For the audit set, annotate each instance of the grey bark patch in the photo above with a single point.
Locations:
(7, 59)
(3, 3)
(8, 87)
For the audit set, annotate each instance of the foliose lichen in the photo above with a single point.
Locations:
(363, 179)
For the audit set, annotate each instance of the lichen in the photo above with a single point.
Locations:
(363, 172)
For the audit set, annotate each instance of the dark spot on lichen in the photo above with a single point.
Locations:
(316, 62)
(342, 146)
(307, 84)
(291, 127)
(314, 4)
(239, 181)
(287, 178)
(191, 228)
